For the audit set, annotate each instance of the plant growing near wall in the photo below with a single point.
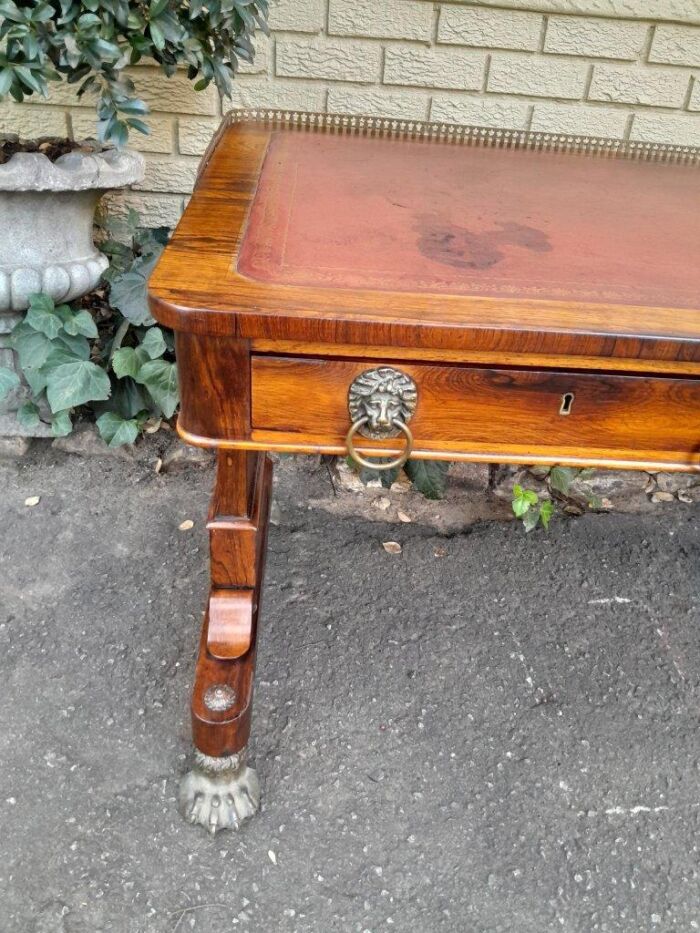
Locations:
(115, 360)
(89, 43)
(565, 487)
(428, 476)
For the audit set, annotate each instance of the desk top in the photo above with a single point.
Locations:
(360, 231)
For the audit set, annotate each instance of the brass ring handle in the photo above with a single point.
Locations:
(394, 464)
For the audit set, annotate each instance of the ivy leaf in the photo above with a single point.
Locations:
(523, 499)
(28, 416)
(82, 324)
(561, 478)
(368, 475)
(42, 316)
(31, 345)
(126, 362)
(160, 378)
(546, 513)
(428, 476)
(76, 383)
(117, 430)
(9, 380)
(530, 519)
(128, 292)
(61, 424)
(154, 343)
(76, 344)
(36, 380)
(130, 399)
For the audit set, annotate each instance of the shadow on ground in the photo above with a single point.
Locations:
(488, 732)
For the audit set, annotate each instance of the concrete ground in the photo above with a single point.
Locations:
(486, 732)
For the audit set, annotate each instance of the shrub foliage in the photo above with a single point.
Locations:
(90, 43)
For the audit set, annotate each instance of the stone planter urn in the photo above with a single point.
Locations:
(46, 245)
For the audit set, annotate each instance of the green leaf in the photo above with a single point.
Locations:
(28, 416)
(126, 362)
(9, 380)
(6, 79)
(42, 316)
(129, 294)
(158, 7)
(130, 399)
(530, 519)
(428, 476)
(76, 345)
(154, 343)
(61, 424)
(36, 380)
(546, 513)
(31, 345)
(82, 324)
(523, 500)
(76, 383)
(117, 430)
(561, 478)
(160, 378)
(368, 475)
(59, 355)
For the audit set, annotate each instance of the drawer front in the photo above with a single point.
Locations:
(484, 413)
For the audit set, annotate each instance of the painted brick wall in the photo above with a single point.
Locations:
(620, 68)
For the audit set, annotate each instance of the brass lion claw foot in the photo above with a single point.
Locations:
(219, 793)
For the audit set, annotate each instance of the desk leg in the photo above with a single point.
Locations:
(221, 791)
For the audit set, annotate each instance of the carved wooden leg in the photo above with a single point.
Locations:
(222, 791)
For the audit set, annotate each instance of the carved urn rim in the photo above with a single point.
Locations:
(73, 171)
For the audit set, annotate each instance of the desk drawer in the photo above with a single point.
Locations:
(487, 414)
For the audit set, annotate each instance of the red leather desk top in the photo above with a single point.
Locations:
(410, 215)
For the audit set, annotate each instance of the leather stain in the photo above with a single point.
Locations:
(461, 248)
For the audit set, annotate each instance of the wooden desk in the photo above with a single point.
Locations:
(471, 294)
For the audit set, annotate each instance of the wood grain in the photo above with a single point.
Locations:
(230, 623)
(196, 288)
(464, 408)
(233, 614)
(214, 377)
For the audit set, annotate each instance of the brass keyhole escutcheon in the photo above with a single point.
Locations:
(567, 403)
(381, 401)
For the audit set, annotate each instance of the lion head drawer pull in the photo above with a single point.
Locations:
(381, 401)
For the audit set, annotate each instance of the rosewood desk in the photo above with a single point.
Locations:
(392, 287)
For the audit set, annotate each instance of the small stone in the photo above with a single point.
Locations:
(186, 525)
(684, 496)
(381, 502)
(184, 457)
(152, 425)
(271, 855)
(662, 497)
(392, 547)
(672, 482)
(440, 551)
(348, 479)
(275, 514)
(85, 441)
(14, 448)
(31, 501)
(403, 517)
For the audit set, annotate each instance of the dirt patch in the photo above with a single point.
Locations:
(52, 147)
